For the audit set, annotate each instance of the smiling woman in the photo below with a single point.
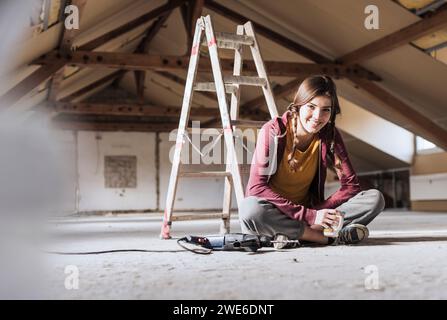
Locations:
(315, 104)
(300, 146)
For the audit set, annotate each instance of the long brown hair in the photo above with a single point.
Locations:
(311, 87)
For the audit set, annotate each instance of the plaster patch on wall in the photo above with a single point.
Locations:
(120, 171)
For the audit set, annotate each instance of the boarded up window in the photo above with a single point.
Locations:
(120, 171)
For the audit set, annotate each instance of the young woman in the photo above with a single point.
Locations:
(285, 191)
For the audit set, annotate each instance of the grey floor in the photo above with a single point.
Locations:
(405, 258)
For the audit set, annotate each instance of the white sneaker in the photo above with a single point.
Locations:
(352, 234)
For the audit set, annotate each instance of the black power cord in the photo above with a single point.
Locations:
(198, 250)
(180, 242)
(111, 251)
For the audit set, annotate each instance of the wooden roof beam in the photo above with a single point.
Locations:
(94, 85)
(267, 33)
(428, 25)
(28, 84)
(129, 109)
(429, 129)
(191, 10)
(37, 77)
(134, 61)
(95, 43)
(68, 36)
(143, 47)
(77, 125)
(279, 92)
(420, 122)
(134, 109)
(65, 45)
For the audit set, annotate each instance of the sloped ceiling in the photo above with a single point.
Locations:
(365, 157)
(331, 28)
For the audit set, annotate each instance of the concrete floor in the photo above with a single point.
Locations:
(405, 258)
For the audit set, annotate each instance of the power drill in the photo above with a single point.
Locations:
(227, 242)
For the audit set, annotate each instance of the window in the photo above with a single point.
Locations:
(424, 146)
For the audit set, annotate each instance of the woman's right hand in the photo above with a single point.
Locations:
(327, 218)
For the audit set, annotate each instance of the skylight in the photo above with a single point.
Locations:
(424, 146)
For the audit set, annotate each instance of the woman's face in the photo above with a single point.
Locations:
(315, 114)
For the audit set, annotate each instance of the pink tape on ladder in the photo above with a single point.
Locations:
(194, 50)
(165, 231)
(228, 129)
(212, 42)
(165, 228)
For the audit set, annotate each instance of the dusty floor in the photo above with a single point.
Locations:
(405, 257)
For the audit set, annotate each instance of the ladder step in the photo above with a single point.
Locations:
(247, 123)
(230, 40)
(186, 217)
(211, 87)
(230, 82)
(205, 174)
(245, 80)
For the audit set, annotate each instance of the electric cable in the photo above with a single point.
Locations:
(180, 241)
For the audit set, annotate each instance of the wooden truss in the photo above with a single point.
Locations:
(140, 61)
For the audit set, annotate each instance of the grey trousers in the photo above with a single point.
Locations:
(258, 216)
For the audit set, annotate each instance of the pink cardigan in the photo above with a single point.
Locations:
(272, 141)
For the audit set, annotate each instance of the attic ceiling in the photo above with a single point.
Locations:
(366, 158)
(411, 91)
(423, 8)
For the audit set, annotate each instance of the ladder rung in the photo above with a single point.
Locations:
(231, 40)
(245, 80)
(230, 82)
(199, 216)
(203, 174)
(247, 123)
(211, 87)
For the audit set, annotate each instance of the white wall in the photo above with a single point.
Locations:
(376, 131)
(428, 187)
(192, 194)
(66, 149)
(93, 195)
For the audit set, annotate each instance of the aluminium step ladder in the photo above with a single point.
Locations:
(222, 85)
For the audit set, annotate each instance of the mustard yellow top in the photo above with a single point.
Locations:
(294, 186)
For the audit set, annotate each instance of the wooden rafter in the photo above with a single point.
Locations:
(280, 91)
(68, 36)
(65, 46)
(133, 61)
(119, 124)
(253, 113)
(430, 130)
(196, 13)
(129, 109)
(43, 73)
(257, 104)
(267, 33)
(93, 44)
(28, 84)
(431, 23)
(181, 81)
(84, 90)
(112, 126)
(191, 11)
(143, 47)
(132, 109)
